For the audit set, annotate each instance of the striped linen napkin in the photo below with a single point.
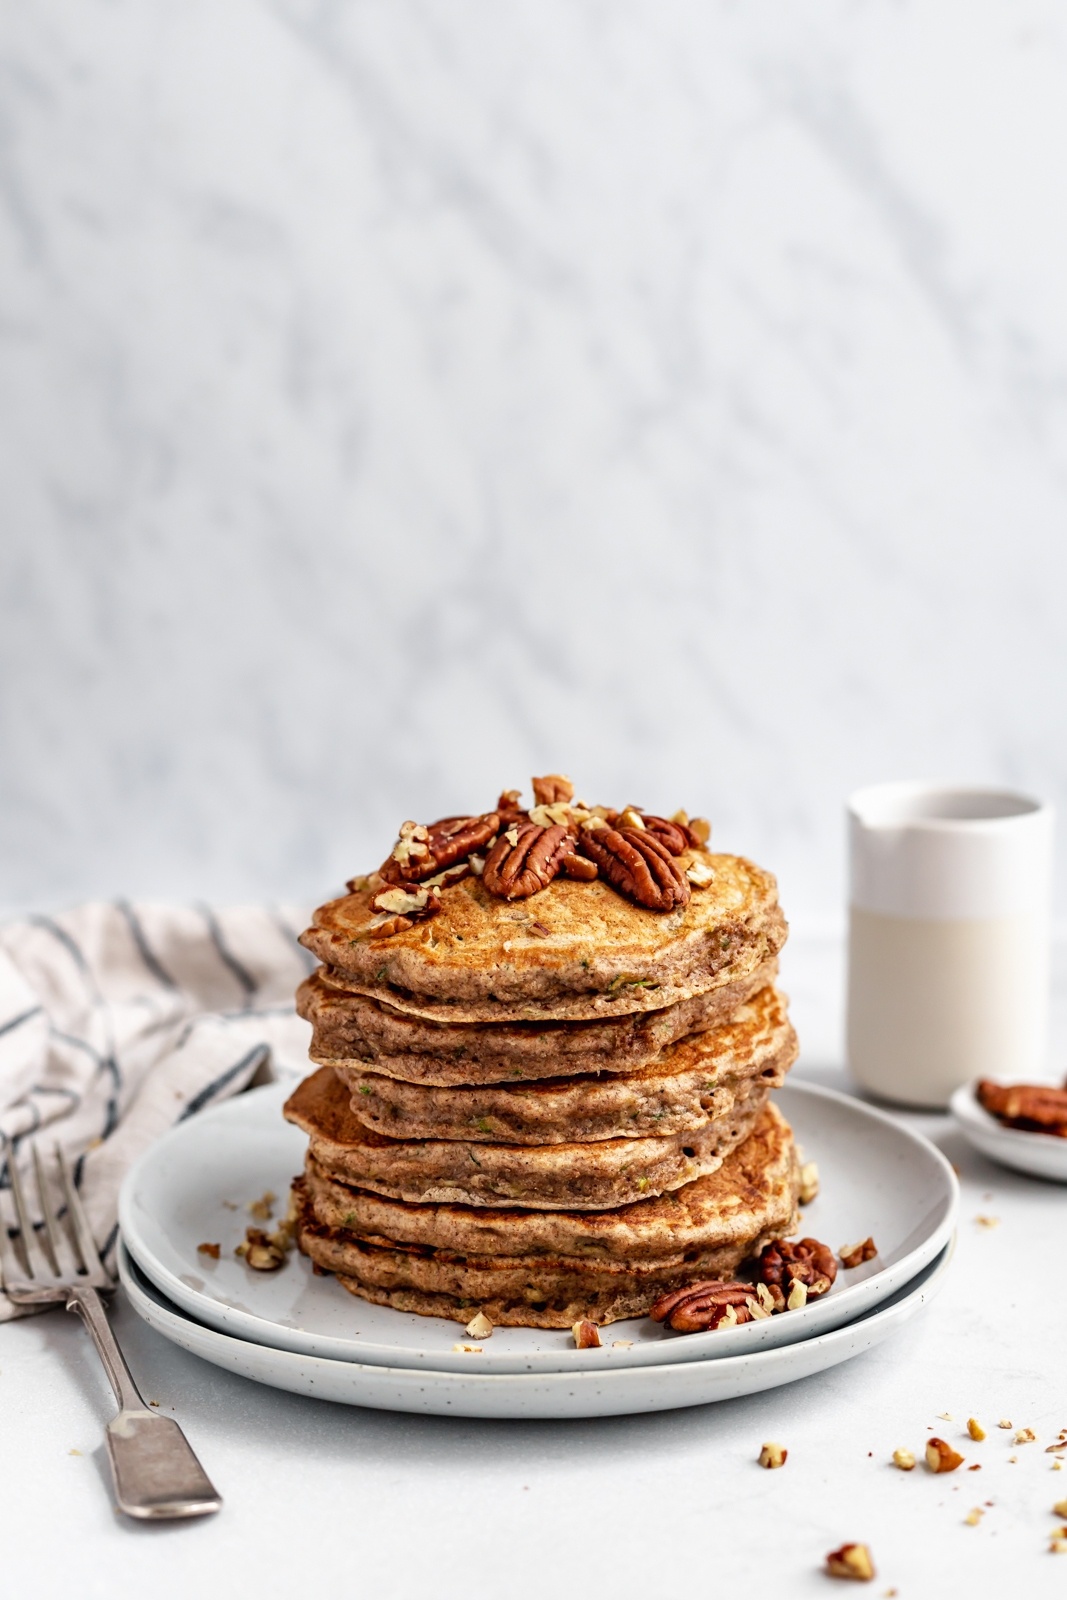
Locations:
(119, 1020)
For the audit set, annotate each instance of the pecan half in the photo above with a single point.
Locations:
(552, 790)
(525, 859)
(676, 838)
(1034, 1107)
(784, 1263)
(638, 865)
(705, 1305)
(422, 853)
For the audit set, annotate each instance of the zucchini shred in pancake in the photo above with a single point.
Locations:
(542, 1087)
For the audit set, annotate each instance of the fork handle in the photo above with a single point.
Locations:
(155, 1471)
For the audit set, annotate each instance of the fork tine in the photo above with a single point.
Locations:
(36, 1260)
(11, 1269)
(51, 1223)
(82, 1232)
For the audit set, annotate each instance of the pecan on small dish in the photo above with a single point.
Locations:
(636, 863)
(1032, 1107)
(785, 1262)
(713, 1304)
(524, 859)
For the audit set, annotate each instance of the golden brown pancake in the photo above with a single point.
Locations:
(543, 1293)
(352, 1030)
(756, 1184)
(706, 1229)
(573, 951)
(696, 1081)
(569, 1176)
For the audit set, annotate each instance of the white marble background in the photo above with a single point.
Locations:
(400, 398)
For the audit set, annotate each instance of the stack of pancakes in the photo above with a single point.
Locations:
(548, 1108)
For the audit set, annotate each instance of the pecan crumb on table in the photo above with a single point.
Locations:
(851, 1561)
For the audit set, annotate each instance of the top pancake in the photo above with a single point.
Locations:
(573, 951)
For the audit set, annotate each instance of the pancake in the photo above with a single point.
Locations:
(697, 1081)
(543, 1293)
(706, 1229)
(567, 1176)
(755, 1189)
(352, 1030)
(573, 951)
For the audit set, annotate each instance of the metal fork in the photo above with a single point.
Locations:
(155, 1472)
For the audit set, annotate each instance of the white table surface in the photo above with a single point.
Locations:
(370, 1504)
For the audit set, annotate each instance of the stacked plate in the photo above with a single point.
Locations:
(294, 1330)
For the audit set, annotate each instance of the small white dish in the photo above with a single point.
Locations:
(193, 1186)
(475, 1392)
(1042, 1155)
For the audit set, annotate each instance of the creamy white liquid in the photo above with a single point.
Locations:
(934, 1003)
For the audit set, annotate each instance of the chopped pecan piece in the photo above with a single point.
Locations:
(212, 1250)
(553, 789)
(364, 881)
(798, 1295)
(580, 867)
(773, 1455)
(525, 859)
(586, 1335)
(260, 1251)
(940, 1457)
(1033, 1107)
(770, 1297)
(851, 1561)
(854, 1255)
(712, 1304)
(784, 1263)
(401, 905)
(637, 864)
(508, 808)
(809, 1183)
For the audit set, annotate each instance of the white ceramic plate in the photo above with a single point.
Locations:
(579, 1393)
(876, 1178)
(1041, 1154)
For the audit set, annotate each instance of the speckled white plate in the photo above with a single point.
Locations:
(876, 1178)
(1042, 1155)
(580, 1392)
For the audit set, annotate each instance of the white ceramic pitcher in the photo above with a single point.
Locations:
(949, 927)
